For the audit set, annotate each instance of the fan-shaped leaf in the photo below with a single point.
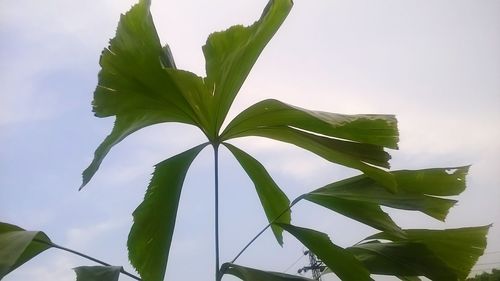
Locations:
(273, 199)
(350, 154)
(231, 54)
(340, 261)
(414, 190)
(250, 274)
(458, 248)
(154, 219)
(97, 273)
(17, 246)
(138, 83)
(367, 128)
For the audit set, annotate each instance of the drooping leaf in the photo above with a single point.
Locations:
(364, 212)
(367, 128)
(273, 199)
(231, 54)
(250, 274)
(97, 273)
(138, 83)
(359, 156)
(403, 259)
(18, 246)
(458, 248)
(154, 219)
(414, 190)
(340, 261)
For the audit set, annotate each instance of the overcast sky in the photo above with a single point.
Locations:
(435, 64)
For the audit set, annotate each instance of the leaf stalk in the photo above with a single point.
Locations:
(295, 201)
(53, 245)
(216, 205)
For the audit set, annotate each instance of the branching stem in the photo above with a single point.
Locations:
(53, 245)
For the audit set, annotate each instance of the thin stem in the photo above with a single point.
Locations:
(266, 227)
(216, 186)
(53, 245)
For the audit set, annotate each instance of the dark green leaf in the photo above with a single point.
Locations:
(350, 154)
(97, 273)
(458, 248)
(231, 54)
(409, 278)
(250, 274)
(154, 219)
(367, 128)
(403, 259)
(138, 83)
(367, 213)
(17, 246)
(340, 261)
(273, 199)
(414, 190)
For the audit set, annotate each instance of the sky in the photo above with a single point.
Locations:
(435, 64)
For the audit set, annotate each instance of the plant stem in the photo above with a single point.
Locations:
(53, 245)
(266, 227)
(216, 186)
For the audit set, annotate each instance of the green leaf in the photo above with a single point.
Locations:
(250, 274)
(409, 278)
(414, 190)
(437, 181)
(230, 54)
(366, 128)
(273, 199)
(154, 219)
(97, 273)
(403, 259)
(340, 261)
(458, 248)
(17, 246)
(138, 83)
(346, 153)
(367, 213)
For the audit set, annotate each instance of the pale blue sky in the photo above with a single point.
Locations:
(435, 64)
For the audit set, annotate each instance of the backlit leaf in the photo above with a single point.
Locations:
(273, 199)
(365, 128)
(154, 219)
(458, 248)
(409, 278)
(403, 259)
(415, 190)
(346, 153)
(138, 83)
(340, 261)
(17, 246)
(250, 274)
(364, 212)
(230, 54)
(97, 273)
